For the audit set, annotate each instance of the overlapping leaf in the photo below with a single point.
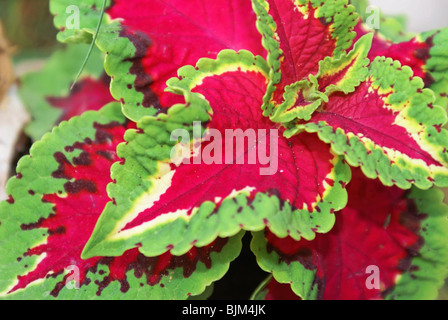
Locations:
(425, 53)
(270, 289)
(341, 74)
(54, 203)
(398, 234)
(164, 204)
(389, 126)
(46, 93)
(147, 41)
(378, 116)
(298, 35)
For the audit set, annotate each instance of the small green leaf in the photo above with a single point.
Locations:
(53, 81)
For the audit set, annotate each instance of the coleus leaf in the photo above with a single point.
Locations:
(345, 73)
(435, 57)
(270, 289)
(54, 203)
(46, 93)
(344, 107)
(425, 53)
(164, 204)
(342, 74)
(297, 36)
(400, 233)
(147, 41)
(389, 126)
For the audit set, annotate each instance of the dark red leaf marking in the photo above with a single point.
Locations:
(155, 268)
(75, 216)
(413, 53)
(10, 199)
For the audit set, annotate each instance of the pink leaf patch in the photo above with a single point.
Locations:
(175, 28)
(370, 253)
(238, 163)
(50, 239)
(389, 126)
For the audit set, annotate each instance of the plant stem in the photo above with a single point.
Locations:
(91, 45)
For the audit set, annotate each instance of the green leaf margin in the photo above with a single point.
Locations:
(430, 266)
(149, 147)
(420, 119)
(345, 19)
(36, 170)
(119, 51)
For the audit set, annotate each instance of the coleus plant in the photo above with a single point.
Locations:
(101, 201)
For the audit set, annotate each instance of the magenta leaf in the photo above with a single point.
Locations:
(147, 41)
(387, 243)
(166, 204)
(54, 204)
(298, 35)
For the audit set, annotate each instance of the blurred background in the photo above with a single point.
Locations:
(422, 15)
(29, 27)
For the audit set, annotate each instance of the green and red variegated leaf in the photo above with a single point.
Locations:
(395, 235)
(147, 41)
(434, 54)
(54, 203)
(298, 35)
(389, 126)
(271, 289)
(46, 93)
(345, 73)
(425, 53)
(342, 74)
(164, 204)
